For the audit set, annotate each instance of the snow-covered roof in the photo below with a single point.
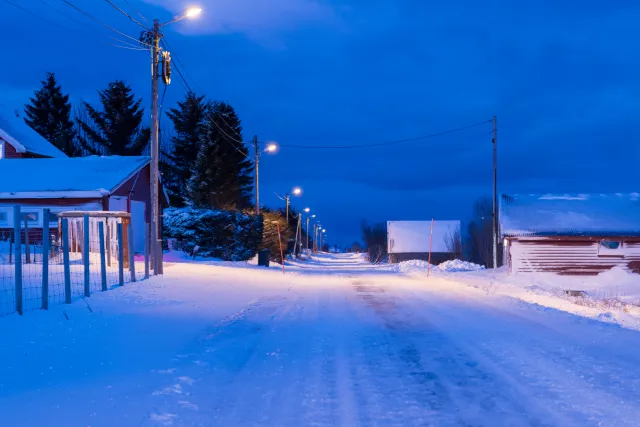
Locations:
(415, 236)
(24, 139)
(570, 215)
(71, 177)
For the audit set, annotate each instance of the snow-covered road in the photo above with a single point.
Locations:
(335, 343)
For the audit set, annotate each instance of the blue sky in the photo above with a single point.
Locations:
(562, 79)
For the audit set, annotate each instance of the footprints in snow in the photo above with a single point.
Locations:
(180, 388)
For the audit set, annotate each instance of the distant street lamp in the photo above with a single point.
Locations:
(297, 191)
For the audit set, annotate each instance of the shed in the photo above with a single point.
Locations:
(410, 240)
(94, 183)
(571, 233)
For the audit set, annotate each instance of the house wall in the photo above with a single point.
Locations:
(436, 257)
(571, 255)
(10, 152)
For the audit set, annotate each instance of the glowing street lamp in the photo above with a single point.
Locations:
(297, 191)
(271, 148)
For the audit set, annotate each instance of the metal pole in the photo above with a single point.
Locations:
(156, 251)
(287, 211)
(257, 163)
(307, 234)
(495, 192)
(85, 255)
(45, 259)
(17, 238)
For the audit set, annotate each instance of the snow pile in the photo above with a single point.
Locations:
(457, 265)
(415, 265)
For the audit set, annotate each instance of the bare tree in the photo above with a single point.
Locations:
(375, 237)
(453, 242)
(481, 232)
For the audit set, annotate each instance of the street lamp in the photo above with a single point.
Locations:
(152, 37)
(297, 191)
(271, 148)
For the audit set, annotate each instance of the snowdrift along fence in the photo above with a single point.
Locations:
(45, 266)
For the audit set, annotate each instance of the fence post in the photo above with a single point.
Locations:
(65, 261)
(45, 259)
(109, 231)
(103, 264)
(120, 255)
(18, 254)
(27, 249)
(132, 263)
(146, 250)
(86, 248)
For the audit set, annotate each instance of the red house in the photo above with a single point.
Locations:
(571, 234)
(19, 141)
(92, 183)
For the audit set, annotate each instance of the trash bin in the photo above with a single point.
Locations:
(263, 257)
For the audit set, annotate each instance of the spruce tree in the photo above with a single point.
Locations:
(188, 120)
(49, 114)
(222, 177)
(117, 129)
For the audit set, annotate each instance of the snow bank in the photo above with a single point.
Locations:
(457, 265)
(453, 266)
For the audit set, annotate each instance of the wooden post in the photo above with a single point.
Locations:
(132, 261)
(103, 264)
(147, 236)
(430, 247)
(18, 264)
(108, 243)
(125, 241)
(86, 247)
(65, 260)
(120, 254)
(45, 259)
(281, 251)
(27, 252)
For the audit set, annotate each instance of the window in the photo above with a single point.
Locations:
(610, 248)
(4, 218)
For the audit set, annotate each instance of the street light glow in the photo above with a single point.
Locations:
(313, 216)
(193, 12)
(271, 147)
(324, 231)
(297, 191)
(307, 210)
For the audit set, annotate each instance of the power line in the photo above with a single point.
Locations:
(380, 144)
(125, 14)
(213, 120)
(178, 62)
(37, 16)
(67, 29)
(103, 24)
(136, 11)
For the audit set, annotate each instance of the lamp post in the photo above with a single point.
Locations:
(271, 148)
(297, 191)
(154, 36)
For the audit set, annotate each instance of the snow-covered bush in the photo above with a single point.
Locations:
(228, 235)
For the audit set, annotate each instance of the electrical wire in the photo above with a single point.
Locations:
(136, 11)
(125, 14)
(103, 24)
(380, 144)
(87, 25)
(186, 83)
(69, 30)
(178, 62)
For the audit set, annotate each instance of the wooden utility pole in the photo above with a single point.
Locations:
(257, 162)
(156, 248)
(495, 192)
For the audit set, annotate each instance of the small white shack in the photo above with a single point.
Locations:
(409, 240)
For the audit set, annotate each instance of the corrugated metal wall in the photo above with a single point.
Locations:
(569, 256)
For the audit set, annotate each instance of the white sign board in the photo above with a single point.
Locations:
(413, 236)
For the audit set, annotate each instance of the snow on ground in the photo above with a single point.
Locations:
(333, 342)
